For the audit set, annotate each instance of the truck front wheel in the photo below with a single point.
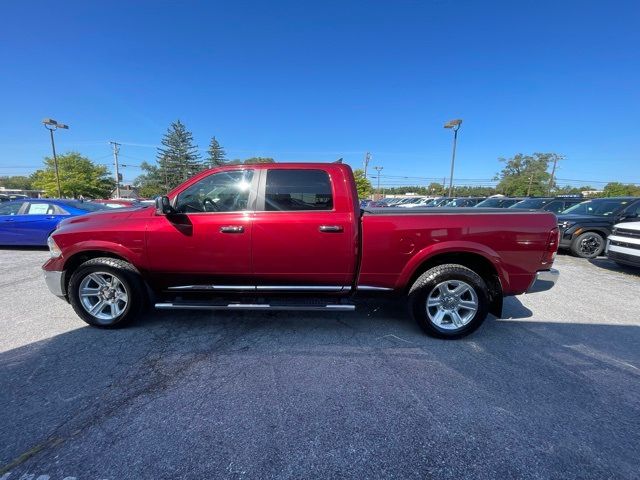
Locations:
(449, 301)
(106, 292)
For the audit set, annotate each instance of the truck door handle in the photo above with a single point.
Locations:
(232, 229)
(331, 228)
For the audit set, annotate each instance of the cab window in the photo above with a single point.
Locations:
(288, 190)
(218, 192)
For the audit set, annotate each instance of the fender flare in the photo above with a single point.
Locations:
(424, 255)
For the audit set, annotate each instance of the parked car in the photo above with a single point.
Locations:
(117, 202)
(291, 237)
(498, 202)
(437, 202)
(422, 202)
(414, 202)
(548, 204)
(31, 221)
(585, 227)
(623, 245)
(464, 202)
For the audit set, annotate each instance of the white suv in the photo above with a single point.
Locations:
(623, 245)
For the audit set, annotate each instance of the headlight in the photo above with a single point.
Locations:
(566, 224)
(54, 249)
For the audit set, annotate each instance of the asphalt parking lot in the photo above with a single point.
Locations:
(551, 391)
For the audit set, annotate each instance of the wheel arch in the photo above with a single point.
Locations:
(74, 261)
(475, 261)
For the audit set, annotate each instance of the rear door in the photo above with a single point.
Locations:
(39, 219)
(302, 237)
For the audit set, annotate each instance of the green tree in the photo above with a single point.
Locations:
(151, 183)
(363, 185)
(435, 188)
(78, 176)
(617, 189)
(254, 160)
(217, 155)
(526, 174)
(17, 182)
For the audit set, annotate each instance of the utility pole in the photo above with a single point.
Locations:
(530, 182)
(553, 173)
(116, 150)
(367, 159)
(378, 169)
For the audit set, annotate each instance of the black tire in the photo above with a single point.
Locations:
(588, 245)
(434, 278)
(131, 283)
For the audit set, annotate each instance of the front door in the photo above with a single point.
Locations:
(206, 244)
(299, 238)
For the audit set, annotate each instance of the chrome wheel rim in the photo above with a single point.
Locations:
(103, 296)
(452, 304)
(590, 244)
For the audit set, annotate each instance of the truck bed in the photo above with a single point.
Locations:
(396, 240)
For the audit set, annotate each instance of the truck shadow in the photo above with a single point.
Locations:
(78, 380)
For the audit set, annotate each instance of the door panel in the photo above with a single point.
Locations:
(200, 249)
(290, 248)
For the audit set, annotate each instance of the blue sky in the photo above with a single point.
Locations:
(321, 80)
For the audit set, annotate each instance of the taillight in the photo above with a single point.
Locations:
(553, 241)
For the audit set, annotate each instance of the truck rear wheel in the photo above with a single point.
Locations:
(449, 301)
(106, 292)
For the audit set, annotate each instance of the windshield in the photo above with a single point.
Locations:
(86, 206)
(602, 206)
(491, 202)
(533, 203)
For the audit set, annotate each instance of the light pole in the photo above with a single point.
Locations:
(455, 126)
(51, 125)
(378, 169)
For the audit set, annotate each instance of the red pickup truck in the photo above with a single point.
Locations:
(292, 237)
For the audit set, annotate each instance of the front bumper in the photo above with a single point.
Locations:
(544, 280)
(54, 279)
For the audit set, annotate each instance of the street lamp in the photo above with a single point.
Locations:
(51, 125)
(455, 126)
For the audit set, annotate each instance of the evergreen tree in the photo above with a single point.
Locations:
(217, 155)
(178, 158)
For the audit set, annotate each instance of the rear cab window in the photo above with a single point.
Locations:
(298, 190)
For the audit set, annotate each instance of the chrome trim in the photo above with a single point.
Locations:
(544, 280)
(255, 306)
(312, 288)
(264, 288)
(53, 279)
(214, 287)
(369, 288)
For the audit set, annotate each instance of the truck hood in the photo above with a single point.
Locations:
(114, 215)
(629, 226)
(585, 219)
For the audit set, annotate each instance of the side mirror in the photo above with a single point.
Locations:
(163, 206)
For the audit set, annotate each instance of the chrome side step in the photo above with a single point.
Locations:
(335, 307)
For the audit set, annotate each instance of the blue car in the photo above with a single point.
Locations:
(30, 221)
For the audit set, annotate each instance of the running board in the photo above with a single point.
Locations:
(346, 307)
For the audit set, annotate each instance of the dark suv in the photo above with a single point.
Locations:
(585, 227)
(548, 204)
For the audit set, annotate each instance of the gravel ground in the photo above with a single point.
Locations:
(551, 391)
